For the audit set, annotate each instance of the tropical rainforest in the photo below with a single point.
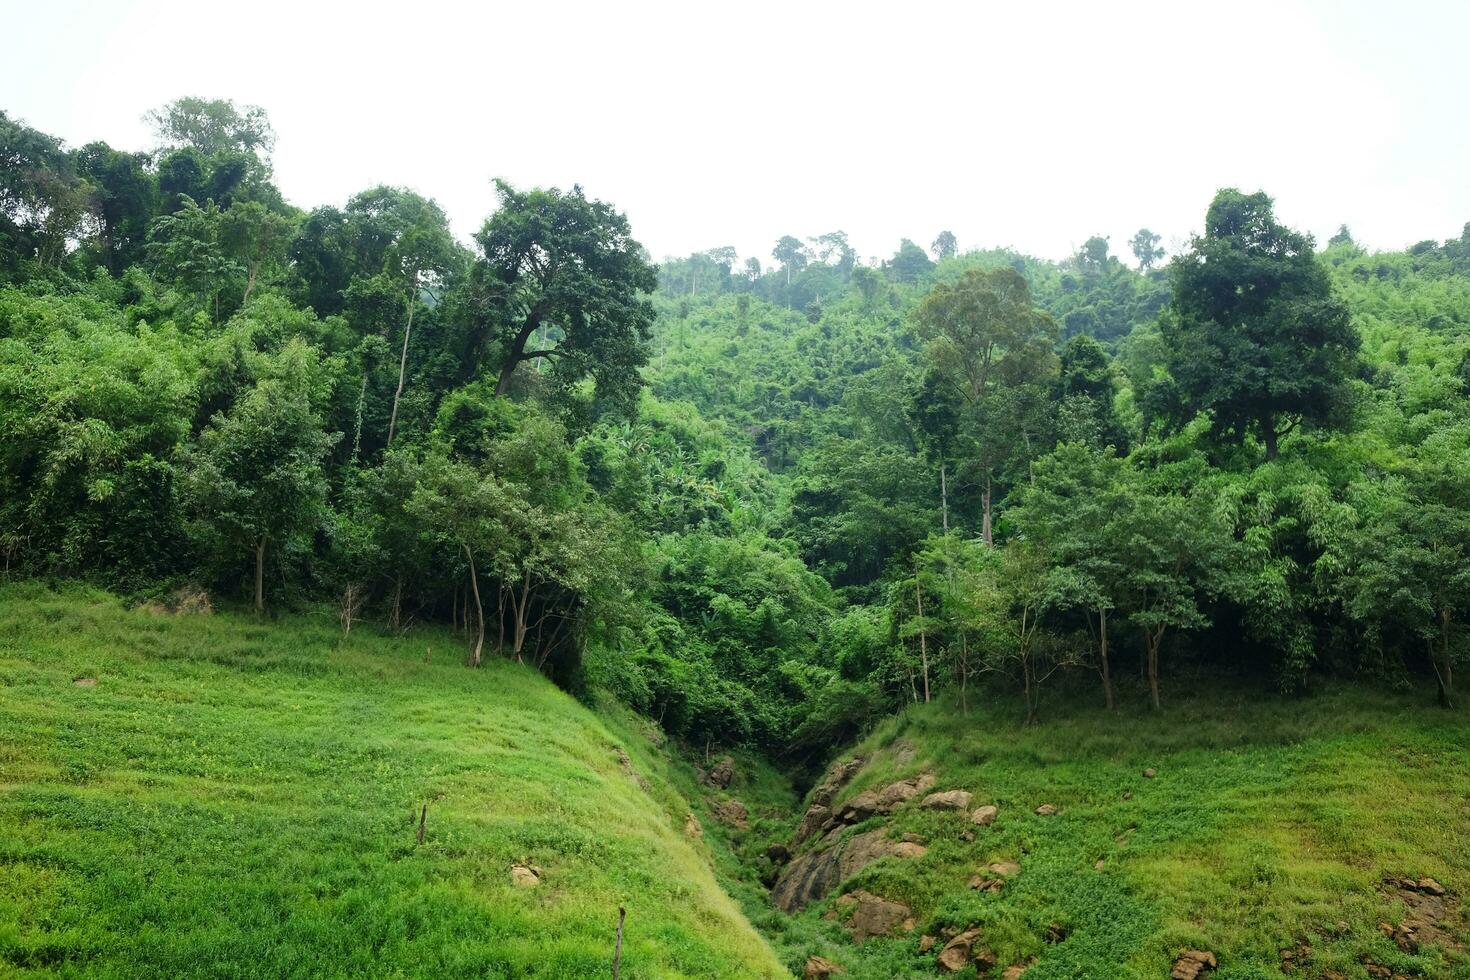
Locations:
(764, 506)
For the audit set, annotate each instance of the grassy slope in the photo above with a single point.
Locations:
(1269, 822)
(237, 798)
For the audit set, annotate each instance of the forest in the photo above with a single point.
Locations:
(765, 502)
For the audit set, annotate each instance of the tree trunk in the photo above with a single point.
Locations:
(964, 672)
(403, 360)
(985, 531)
(923, 642)
(517, 350)
(1107, 679)
(249, 284)
(943, 498)
(260, 575)
(1268, 431)
(395, 615)
(357, 423)
(1444, 670)
(1151, 641)
(479, 610)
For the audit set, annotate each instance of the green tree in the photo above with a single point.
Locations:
(1256, 335)
(792, 255)
(255, 477)
(566, 266)
(1145, 247)
(945, 246)
(213, 126)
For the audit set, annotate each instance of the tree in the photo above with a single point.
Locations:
(407, 238)
(989, 343)
(944, 246)
(255, 476)
(1145, 247)
(255, 238)
(791, 254)
(188, 248)
(569, 267)
(1256, 334)
(909, 262)
(213, 126)
(124, 199)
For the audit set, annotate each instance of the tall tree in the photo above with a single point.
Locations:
(1256, 334)
(213, 126)
(1145, 247)
(985, 338)
(564, 265)
(791, 254)
(944, 246)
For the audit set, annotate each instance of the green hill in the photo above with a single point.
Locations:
(1278, 834)
(234, 798)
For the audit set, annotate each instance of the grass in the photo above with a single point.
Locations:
(238, 798)
(1270, 823)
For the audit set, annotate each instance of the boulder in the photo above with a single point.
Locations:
(1014, 972)
(817, 873)
(873, 915)
(818, 968)
(721, 775)
(1150, 773)
(985, 816)
(911, 838)
(957, 953)
(811, 822)
(968, 836)
(1046, 810)
(731, 812)
(778, 853)
(927, 942)
(950, 799)
(1005, 868)
(859, 808)
(1193, 963)
(525, 875)
(838, 776)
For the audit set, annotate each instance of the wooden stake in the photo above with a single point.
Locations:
(423, 815)
(618, 949)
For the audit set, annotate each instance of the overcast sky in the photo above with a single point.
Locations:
(1032, 125)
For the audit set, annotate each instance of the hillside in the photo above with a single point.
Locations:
(1281, 835)
(236, 798)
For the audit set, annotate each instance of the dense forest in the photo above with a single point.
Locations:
(765, 502)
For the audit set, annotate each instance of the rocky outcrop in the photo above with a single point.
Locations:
(1192, 964)
(732, 813)
(721, 775)
(872, 915)
(950, 799)
(959, 951)
(819, 812)
(814, 875)
(985, 815)
(818, 968)
(823, 816)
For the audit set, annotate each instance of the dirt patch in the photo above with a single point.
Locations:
(85, 682)
(1430, 912)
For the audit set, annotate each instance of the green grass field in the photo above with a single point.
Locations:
(1270, 824)
(239, 798)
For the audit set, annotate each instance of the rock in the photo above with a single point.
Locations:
(778, 854)
(952, 799)
(926, 943)
(85, 682)
(1150, 773)
(1193, 963)
(957, 952)
(968, 836)
(838, 776)
(985, 816)
(859, 808)
(1055, 933)
(1429, 886)
(818, 968)
(628, 769)
(985, 883)
(1099, 864)
(525, 875)
(1014, 972)
(1127, 795)
(692, 828)
(873, 915)
(722, 773)
(1005, 868)
(1046, 810)
(909, 838)
(811, 822)
(732, 812)
(813, 875)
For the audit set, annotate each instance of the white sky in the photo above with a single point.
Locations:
(1031, 125)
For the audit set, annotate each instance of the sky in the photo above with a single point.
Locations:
(1026, 125)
